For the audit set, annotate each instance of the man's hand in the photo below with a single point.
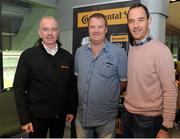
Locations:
(123, 84)
(162, 134)
(69, 117)
(28, 127)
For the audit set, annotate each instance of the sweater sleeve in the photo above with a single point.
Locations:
(20, 89)
(165, 70)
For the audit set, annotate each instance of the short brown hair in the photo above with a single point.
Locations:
(98, 15)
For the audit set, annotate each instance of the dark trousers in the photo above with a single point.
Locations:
(139, 126)
(55, 126)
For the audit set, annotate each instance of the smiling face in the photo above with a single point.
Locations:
(48, 31)
(97, 30)
(138, 23)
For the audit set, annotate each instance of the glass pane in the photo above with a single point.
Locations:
(10, 60)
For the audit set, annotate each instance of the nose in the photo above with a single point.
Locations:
(49, 31)
(136, 24)
(96, 29)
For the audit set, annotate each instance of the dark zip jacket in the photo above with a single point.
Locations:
(45, 85)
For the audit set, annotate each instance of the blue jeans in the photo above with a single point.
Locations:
(139, 126)
(104, 131)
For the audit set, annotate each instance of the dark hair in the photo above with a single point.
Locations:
(98, 15)
(137, 5)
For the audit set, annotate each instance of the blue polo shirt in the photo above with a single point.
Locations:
(99, 83)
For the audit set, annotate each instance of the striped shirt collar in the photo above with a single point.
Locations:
(139, 43)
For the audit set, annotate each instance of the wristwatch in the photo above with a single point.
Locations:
(165, 129)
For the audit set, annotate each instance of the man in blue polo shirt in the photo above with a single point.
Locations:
(101, 69)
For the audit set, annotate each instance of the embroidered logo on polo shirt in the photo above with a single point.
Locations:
(64, 67)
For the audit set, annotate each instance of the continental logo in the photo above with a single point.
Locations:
(119, 38)
(114, 16)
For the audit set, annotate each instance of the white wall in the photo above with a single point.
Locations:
(66, 40)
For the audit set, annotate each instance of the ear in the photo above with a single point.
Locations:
(39, 32)
(106, 29)
(149, 21)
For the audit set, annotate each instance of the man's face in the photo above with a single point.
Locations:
(49, 31)
(97, 30)
(138, 23)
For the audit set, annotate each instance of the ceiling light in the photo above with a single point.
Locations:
(172, 1)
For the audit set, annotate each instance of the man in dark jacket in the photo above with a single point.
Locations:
(44, 84)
